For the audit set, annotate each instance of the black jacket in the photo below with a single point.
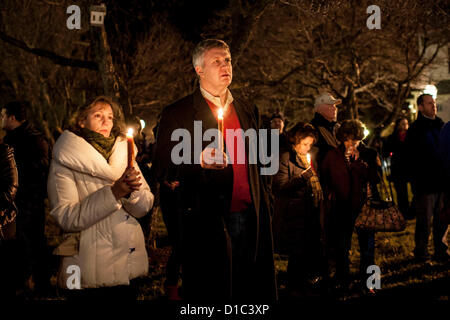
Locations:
(9, 184)
(425, 168)
(397, 151)
(204, 203)
(32, 154)
(321, 144)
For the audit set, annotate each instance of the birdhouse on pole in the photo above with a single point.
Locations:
(98, 14)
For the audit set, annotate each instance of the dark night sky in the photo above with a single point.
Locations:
(189, 17)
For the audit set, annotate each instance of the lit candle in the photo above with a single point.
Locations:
(130, 143)
(308, 158)
(220, 128)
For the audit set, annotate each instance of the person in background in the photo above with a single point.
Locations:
(143, 161)
(8, 214)
(325, 122)
(298, 199)
(395, 148)
(32, 155)
(425, 170)
(344, 177)
(277, 121)
(366, 239)
(444, 151)
(95, 197)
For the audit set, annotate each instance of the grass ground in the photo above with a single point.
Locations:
(400, 276)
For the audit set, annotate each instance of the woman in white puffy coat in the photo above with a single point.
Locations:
(95, 199)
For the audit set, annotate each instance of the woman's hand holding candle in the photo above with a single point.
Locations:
(127, 183)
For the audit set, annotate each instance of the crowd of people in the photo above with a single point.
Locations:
(225, 218)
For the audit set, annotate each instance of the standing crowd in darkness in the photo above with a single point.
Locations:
(225, 219)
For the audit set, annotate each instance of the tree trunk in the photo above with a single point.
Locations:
(113, 85)
(402, 92)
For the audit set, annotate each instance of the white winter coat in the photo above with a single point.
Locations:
(111, 246)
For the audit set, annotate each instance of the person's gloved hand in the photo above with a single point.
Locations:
(307, 173)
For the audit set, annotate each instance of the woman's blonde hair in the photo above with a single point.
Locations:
(82, 112)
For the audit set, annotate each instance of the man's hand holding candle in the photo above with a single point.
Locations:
(214, 159)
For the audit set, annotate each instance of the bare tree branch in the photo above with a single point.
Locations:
(60, 60)
(243, 25)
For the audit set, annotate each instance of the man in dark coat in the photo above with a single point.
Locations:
(426, 176)
(8, 213)
(325, 123)
(226, 247)
(31, 151)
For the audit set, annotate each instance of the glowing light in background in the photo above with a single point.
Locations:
(366, 132)
(431, 90)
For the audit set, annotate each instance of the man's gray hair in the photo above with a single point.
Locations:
(205, 45)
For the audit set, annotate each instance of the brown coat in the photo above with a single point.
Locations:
(295, 214)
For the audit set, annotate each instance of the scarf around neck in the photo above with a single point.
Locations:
(313, 181)
(100, 143)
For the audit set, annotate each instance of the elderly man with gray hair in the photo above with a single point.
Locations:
(325, 122)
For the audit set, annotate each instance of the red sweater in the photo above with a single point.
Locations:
(240, 198)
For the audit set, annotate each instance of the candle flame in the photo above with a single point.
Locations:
(308, 157)
(220, 114)
(130, 133)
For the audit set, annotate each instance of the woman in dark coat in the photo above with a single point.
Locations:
(296, 219)
(395, 148)
(8, 212)
(345, 176)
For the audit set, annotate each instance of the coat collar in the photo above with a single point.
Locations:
(320, 121)
(436, 122)
(77, 154)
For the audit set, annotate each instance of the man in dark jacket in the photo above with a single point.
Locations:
(8, 215)
(325, 123)
(227, 250)
(426, 173)
(32, 157)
